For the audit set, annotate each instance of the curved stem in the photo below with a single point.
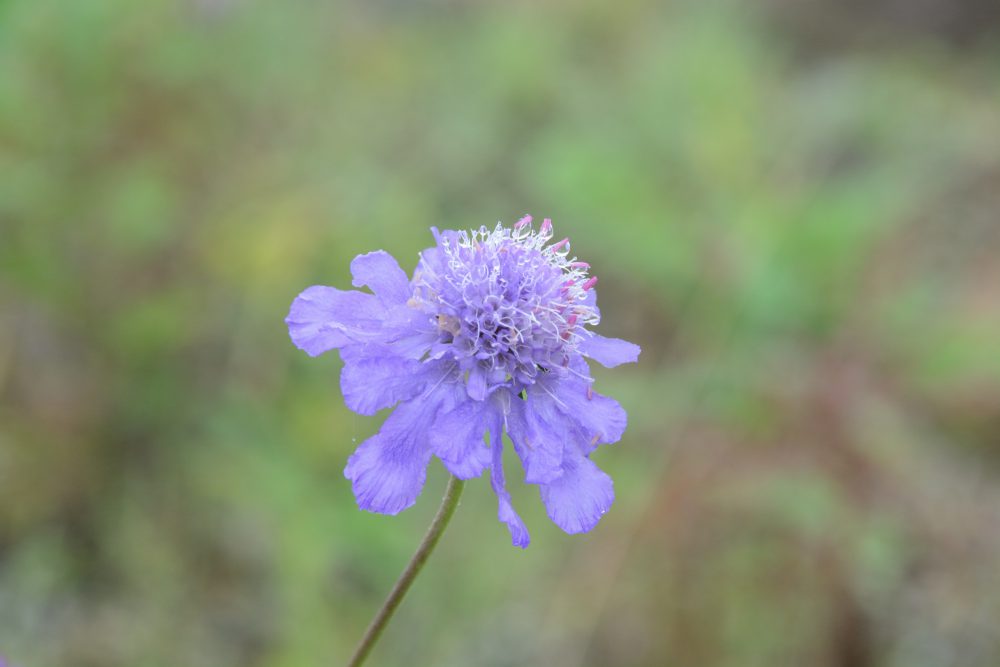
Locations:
(423, 552)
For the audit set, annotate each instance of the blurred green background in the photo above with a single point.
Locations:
(793, 207)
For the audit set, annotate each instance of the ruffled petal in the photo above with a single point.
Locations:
(581, 496)
(506, 513)
(388, 470)
(410, 331)
(538, 435)
(325, 318)
(380, 272)
(457, 436)
(373, 379)
(609, 352)
(602, 419)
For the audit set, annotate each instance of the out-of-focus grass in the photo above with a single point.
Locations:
(803, 243)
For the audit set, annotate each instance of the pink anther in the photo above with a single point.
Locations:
(589, 284)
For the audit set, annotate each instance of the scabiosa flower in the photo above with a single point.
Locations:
(488, 337)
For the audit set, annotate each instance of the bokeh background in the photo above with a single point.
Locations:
(794, 207)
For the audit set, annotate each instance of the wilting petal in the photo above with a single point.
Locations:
(581, 496)
(371, 381)
(457, 437)
(388, 470)
(609, 352)
(324, 318)
(506, 513)
(381, 273)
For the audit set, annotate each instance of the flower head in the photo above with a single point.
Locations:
(488, 337)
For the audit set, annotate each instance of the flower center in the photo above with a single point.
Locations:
(508, 303)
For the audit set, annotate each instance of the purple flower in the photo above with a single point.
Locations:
(487, 337)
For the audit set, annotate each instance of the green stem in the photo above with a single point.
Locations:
(423, 552)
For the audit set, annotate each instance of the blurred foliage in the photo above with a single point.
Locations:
(804, 241)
